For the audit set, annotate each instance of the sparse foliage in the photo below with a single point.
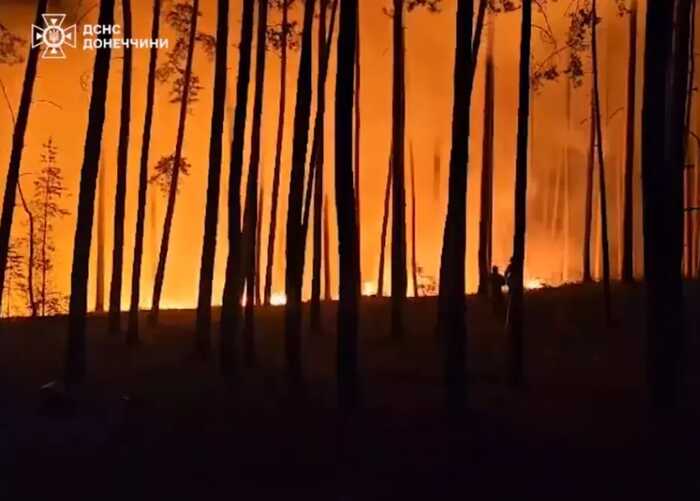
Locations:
(10, 47)
(163, 172)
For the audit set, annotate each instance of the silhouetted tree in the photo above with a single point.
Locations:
(281, 38)
(601, 171)
(349, 265)
(250, 213)
(30, 241)
(133, 329)
(295, 242)
(382, 238)
(258, 242)
(326, 253)
(49, 190)
(233, 285)
(100, 265)
(115, 288)
(662, 187)
(358, 128)
(14, 277)
(588, 210)
(10, 54)
(75, 363)
(486, 211)
(451, 302)
(414, 266)
(183, 18)
(515, 307)
(628, 217)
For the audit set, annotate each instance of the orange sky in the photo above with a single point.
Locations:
(430, 52)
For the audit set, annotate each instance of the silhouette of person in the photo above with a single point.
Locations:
(496, 283)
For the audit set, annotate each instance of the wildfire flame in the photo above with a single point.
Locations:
(278, 299)
(534, 283)
(369, 289)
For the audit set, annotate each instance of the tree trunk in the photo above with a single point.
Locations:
(414, 265)
(516, 372)
(100, 279)
(115, 290)
(30, 254)
(567, 188)
(476, 38)
(211, 216)
(628, 217)
(588, 210)
(601, 176)
(358, 117)
(398, 192)
(172, 192)
(8, 202)
(295, 243)
(133, 328)
(250, 213)
(233, 285)
(691, 169)
(258, 241)
(349, 269)
(278, 157)
(75, 362)
(385, 224)
(326, 253)
(486, 216)
(315, 308)
(662, 209)
(451, 303)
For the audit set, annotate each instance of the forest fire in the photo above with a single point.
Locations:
(278, 299)
(534, 283)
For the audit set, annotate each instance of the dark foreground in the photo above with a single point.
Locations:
(578, 432)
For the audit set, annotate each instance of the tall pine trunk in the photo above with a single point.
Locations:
(601, 176)
(349, 268)
(133, 328)
(250, 213)
(451, 302)
(358, 128)
(211, 214)
(258, 241)
(115, 289)
(295, 242)
(75, 362)
(175, 176)
(662, 211)
(233, 285)
(382, 238)
(486, 216)
(326, 253)
(414, 264)
(691, 170)
(516, 372)
(588, 209)
(100, 278)
(398, 191)
(628, 214)
(278, 156)
(9, 198)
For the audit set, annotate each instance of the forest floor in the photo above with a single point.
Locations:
(580, 430)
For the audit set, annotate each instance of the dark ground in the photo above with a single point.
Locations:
(579, 431)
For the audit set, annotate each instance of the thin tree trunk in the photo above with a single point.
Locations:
(398, 192)
(601, 177)
(358, 117)
(486, 199)
(516, 372)
(414, 265)
(385, 224)
(75, 362)
(278, 156)
(588, 209)
(211, 215)
(451, 303)
(30, 253)
(44, 245)
(250, 216)
(295, 243)
(691, 169)
(476, 39)
(258, 241)
(233, 285)
(628, 220)
(326, 253)
(349, 269)
(133, 328)
(8, 202)
(100, 279)
(315, 308)
(115, 290)
(172, 192)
